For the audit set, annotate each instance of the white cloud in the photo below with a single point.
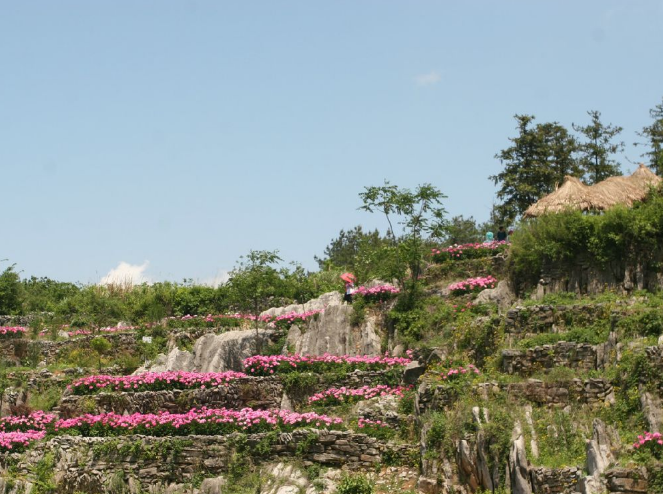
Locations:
(219, 279)
(429, 79)
(126, 274)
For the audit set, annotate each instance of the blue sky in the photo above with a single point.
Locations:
(174, 136)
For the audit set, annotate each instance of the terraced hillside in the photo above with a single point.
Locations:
(469, 390)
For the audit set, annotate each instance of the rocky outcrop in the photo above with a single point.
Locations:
(502, 295)
(518, 466)
(599, 457)
(627, 481)
(332, 331)
(213, 352)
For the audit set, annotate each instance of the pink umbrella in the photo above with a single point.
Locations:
(349, 277)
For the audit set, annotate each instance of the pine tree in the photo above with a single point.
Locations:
(654, 135)
(596, 151)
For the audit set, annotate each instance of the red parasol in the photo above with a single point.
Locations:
(349, 277)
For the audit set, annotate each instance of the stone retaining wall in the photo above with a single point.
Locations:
(431, 397)
(552, 318)
(252, 392)
(86, 465)
(555, 480)
(18, 349)
(562, 354)
(570, 354)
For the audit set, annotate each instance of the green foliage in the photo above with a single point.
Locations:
(344, 251)
(356, 483)
(299, 384)
(255, 282)
(461, 230)
(10, 291)
(44, 471)
(419, 212)
(615, 238)
(647, 323)
(561, 441)
(596, 150)
(101, 346)
(594, 335)
(539, 159)
(653, 133)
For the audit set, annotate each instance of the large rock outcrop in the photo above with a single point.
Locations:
(332, 331)
(213, 352)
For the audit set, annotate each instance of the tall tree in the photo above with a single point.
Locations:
(654, 135)
(597, 150)
(537, 161)
(419, 212)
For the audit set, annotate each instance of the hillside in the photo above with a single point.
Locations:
(470, 389)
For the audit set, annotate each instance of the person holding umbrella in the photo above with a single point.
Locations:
(349, 279)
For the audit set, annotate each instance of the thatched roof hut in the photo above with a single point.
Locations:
(575, 195)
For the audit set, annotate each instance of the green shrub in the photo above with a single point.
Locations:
(355, 484)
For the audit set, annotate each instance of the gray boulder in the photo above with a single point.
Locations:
(502, 295)
(212, 353)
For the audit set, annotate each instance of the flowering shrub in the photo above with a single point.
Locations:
(18, 440)
(35, 421)
(153, 381)
(375, 428)
(460, 371)
(264, 365)
(652, 441)
(283, 321)
(12, 331)
(468, 251)
(379, 293)
(472, 285)
(196, 421)
(335, 396)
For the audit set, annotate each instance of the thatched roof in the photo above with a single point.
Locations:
(573, 194)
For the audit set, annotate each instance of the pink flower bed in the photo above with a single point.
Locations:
(281, 321)
(284, 321)
(263, 365)
(363, 423)
(472, 285)
(153, 381)
(468, 251)
(18, 440)
(36, 420)
(459, 371)
(378, 293)
(196, 421)
(12, 331)
(334, 396)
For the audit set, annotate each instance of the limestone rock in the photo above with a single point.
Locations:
(652, 407)
(212, 353)
(412, 372)
(518, 464)
(333, 333)
(213, 485)
(502, 295)
(322, 302)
